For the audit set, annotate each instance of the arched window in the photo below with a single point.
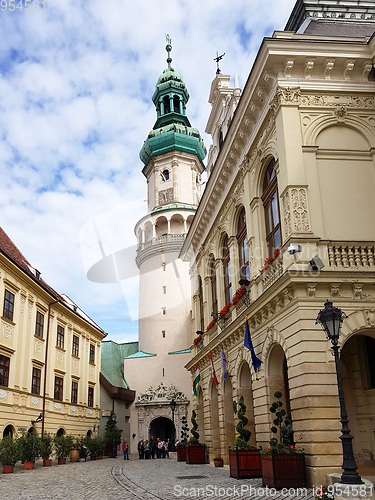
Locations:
(270, 200)
(8, 431)
(212, 269)
(176, 104)
(167, 105)
(200, 298)
(166, 173)
(226, 265)
(242, 245)
(221, 139)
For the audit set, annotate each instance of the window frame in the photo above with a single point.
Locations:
(201, 305)
(243, 252)
(39, 325)
(4, 370)
(74, 392)
(36, 379)
(270, 189)
(226, 269)
(92, 354)
(58, 389)
(213, 286)
(90, 397)
(60, 339)
(75, 346)
(8, 307)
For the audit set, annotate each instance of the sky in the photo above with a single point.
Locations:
(76, 81)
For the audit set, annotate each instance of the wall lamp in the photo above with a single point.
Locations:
(39, 419)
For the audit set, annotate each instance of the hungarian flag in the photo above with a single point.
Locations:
(213, 370)
(162, 175)
(197, 378)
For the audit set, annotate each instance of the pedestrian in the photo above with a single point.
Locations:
(162, 449)
(158, 449)
(125, 449)
(152, 447)
(147, 450)
(141, 449)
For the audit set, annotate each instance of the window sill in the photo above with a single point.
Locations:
(75, 357)
(10, 322)
(39, 338)
(60, 348)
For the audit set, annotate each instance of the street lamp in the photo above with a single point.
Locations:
(114, 447)
(173, 407)
(331, 319)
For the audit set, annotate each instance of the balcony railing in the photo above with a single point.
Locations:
(352, 256)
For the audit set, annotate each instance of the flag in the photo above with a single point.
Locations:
(162, 175)
(197, 378)
(213, 370)
(247, 343)
(224, 363)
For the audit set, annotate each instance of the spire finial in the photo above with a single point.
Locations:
(168, 48)
(217, 59)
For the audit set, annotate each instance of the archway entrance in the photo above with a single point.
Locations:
(246, 390)
(8, 431)
(278, 376)
(161, 428)
(60, 432)
(358, 377)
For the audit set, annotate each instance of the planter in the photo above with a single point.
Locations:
(100, 457)
(219, 463)
(61, 461)
(181, 453)
(245, 464)
(195, 454)
(47, 462)
(28, 465)
(74, 455)
(8, 469)
(284, 471)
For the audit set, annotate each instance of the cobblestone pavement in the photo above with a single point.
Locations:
(133, 480)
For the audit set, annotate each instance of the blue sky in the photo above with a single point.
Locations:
(76, 81)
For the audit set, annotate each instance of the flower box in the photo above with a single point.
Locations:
(195, 454)
(284, 470)
(181, 453)
(244, 464)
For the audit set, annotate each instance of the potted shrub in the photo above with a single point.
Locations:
(195, 451)
(101, 445)
(9, 454)
(46, 449)
(82, 449)
(63, 445)
(244, 460)
(74, 452)
(29, 445)
(283, 465)
(218, 462)
(112, 436)
(181, 447)
(93, 446)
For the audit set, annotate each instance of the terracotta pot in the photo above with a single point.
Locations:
(100, 457)
(47, 462)
(74, 455)
(28, 465)
(218, 463)
(61, 461)
(8, 469)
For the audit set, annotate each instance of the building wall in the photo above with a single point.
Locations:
(18, 406)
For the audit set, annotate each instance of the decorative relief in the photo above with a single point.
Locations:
(73, 409)
(287, 215)
(91, 371)
(57, 406)
(38, 348)
(3, 394)
(34, 401)
(60, 357)
(292, 96)
(311, 290)
(75, 364)
(370, 318)
(90, 411)
(299, 206)
(7, 332)
(23, 300)
(357, 292)
(348, 70)
(308, 68)
(335, 291)
(162, 394)
(30, 304)
(341, 113)
(289, 63)
(328, 69)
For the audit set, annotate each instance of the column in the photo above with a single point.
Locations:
(220, 284)
(175, 179)
(234, 263)
(156, 185)
(169, 226)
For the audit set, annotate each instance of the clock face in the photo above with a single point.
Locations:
(166, 196)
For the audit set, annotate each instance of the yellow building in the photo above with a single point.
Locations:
(49, 354)
(289, 207)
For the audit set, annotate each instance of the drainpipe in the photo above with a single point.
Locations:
(45, 363)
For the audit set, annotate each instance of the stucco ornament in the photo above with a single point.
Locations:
(162, 394)
(3, 394)
(73, 409)
(60, 357)
(90, 411)
(57, 406)
(38, 347)
(370, 318)
(7, 332)
(34, 401)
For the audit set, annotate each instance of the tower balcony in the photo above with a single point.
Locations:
(167, 243)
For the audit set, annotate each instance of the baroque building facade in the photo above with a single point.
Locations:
(49, 354)
(173, 156)
(289, 209)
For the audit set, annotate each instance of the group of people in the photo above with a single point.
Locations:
(149, 449)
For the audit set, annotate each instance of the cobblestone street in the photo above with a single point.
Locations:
(131, 480)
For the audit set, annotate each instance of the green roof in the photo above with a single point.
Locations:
(140, 354)
(184, 351)
(112, 361)
(179, 206)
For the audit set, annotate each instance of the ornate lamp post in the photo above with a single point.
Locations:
(331, 319)
(173, 407)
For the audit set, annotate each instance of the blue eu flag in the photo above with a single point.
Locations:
(247, 343)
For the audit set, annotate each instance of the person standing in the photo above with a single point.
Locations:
(158, 449)
(152, 447)
(125, 449)
(141, 449)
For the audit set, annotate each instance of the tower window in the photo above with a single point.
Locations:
(167, 105)
(176, 104)
(164, 266)
(163, 334)
(164, 310)
(166, 173)
(164, 290)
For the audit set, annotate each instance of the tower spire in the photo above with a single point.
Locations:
(168, 48)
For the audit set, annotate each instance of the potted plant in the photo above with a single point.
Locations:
(244, 460)
(63, 445)
(46, 449)
(29, 445)
(101, 445)
(93, 445)
(218, 461)
(283, 465)
(9, 454)
(195, 451)
(82, 449)
(181, 447)
(112, 435)
(74, 452)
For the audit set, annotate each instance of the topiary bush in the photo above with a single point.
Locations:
(242, 440)
(195, 438)
(184, 431)
(280, 424)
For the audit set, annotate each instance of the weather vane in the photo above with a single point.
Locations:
(217, 59)
(168, 48)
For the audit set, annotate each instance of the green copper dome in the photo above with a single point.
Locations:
(172, 129)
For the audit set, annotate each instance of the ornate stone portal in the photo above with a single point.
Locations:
(155, 403)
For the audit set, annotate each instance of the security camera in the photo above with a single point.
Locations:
(316, 264)
(292, 249)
